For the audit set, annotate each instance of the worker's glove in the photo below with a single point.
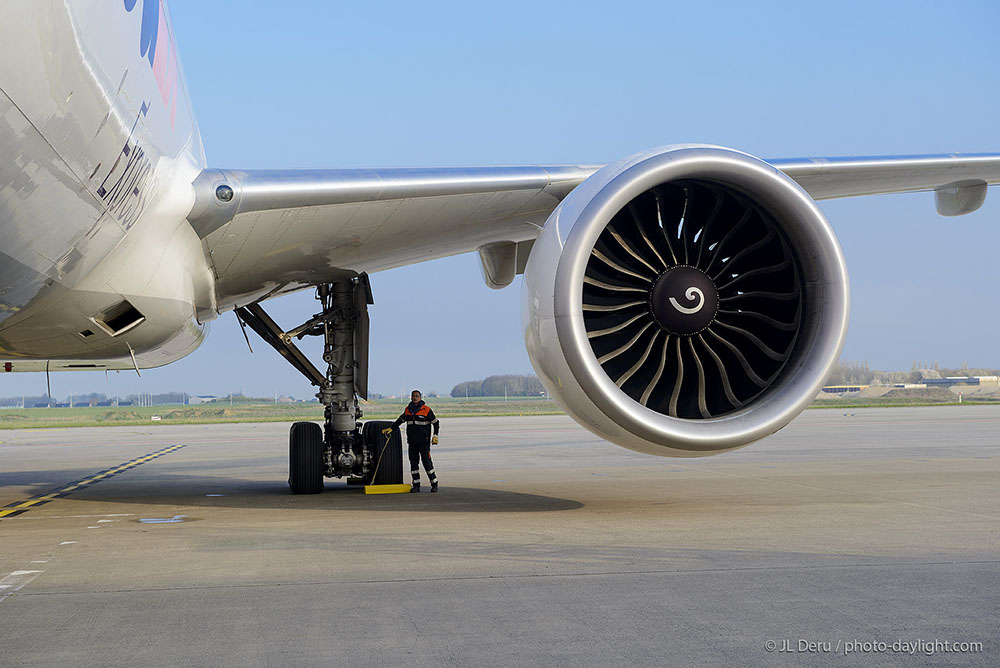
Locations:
(434, 440)
(387, 431)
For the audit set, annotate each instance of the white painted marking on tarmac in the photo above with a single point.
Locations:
(68, 542)
(94, 527)
(163, 520)
(102, 521)
(15, 581)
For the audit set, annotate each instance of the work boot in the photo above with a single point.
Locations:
(434, 487)
(415, 488)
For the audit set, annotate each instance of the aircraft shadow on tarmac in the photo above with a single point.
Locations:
(191, 490)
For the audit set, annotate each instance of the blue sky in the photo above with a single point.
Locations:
(322, 84)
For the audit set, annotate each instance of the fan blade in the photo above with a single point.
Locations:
(684, 223)
(612, 307)
(615, 353)
(642, 360)
(751, 374)
(639, 226)
(783, 326)
(703, 239)
(616, 328)
(614, 265)
(614, 288)
(757, 272)
(702, 401)
(629, 250)
(777, 357)
(726, 387)
(746, 251)
(781, 296)
(729, 235)
(663, 226)
(675, 395)
(644, 400)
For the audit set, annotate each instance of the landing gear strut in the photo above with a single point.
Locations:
(344, 448)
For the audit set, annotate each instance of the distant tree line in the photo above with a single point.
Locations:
(498, 386)
(30, 401)
(852, 373)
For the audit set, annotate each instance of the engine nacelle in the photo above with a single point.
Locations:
(685, 301)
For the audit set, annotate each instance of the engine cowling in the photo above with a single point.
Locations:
(685, 301)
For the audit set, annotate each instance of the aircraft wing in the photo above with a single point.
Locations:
(831, 178)
(283, 230)
(270, 232)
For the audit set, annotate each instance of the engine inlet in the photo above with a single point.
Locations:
(692, 299)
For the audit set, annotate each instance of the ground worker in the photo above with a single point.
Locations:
(419, 419)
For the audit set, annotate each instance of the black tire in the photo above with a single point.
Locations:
(305, 458)
(388, 457)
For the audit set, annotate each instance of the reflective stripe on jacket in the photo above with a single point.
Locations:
(419, 419)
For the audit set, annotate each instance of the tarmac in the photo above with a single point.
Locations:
(851, 538)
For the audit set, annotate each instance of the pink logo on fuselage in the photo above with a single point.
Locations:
(156, 44)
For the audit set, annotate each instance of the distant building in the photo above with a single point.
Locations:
(194, 400)
(844, 389)
(951, 381)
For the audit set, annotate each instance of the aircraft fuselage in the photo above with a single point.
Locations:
(100, 149)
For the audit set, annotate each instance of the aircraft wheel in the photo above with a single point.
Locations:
(305, 458)
(390, 468)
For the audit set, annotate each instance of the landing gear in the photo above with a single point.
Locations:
(305, 458)
(343, 447)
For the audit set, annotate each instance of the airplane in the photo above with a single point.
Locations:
(683, 301)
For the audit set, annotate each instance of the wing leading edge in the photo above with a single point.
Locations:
(270, 232)
(283, 230)
(831, 178)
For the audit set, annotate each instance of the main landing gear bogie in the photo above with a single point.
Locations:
(343, 446)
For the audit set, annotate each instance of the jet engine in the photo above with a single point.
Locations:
(685, 301)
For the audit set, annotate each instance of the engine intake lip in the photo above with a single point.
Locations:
(819, 339)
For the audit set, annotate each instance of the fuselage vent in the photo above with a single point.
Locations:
(119, 319)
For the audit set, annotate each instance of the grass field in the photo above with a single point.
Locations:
(383, 409)
(879, 402)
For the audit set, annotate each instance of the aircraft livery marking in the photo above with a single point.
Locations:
(41, 499)
(127, 196)
(156, 45)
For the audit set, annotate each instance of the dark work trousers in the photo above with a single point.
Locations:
(421, 450)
